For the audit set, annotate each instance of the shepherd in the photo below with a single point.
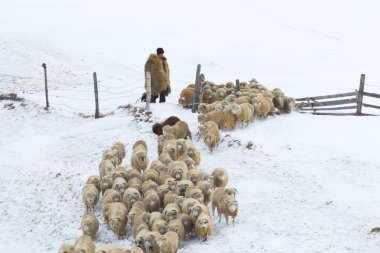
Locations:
(158, 67)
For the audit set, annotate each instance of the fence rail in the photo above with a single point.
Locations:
(314, 104)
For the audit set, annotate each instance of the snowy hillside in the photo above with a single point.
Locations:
(305, 184)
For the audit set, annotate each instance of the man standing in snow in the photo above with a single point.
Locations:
(158, 67)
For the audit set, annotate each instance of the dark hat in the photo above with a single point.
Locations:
(160, 50)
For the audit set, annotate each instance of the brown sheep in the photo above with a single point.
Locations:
(140, 222)
(84, 244)
(188, 160)
(169, 197)
(90, 196)
(120, 150)
(66, 248)
(111, 155)
(244, 112)
(150, 175)
(206, 188)
(178, 170)
(95, 180)
(182, 186)
(203, 226)
(188, 204)
(106, 168)
(168, 243)
(139, 239)
(90, 224)
(220, 177)
(216, 116)
(117, 216)
(138, 207)
(148, 185)
(186, 97)
(212, 136)
(179, 130)
(194, 192)
(120, 172)
(170, 212)
(218, 194)
(157, 127)
(152, 201)
(150, 242)
(228, 206)
(263, 106)
(160, 226)
(131, 173)
(176, 226)
(187, 222)
(120, 185)
(139, 159)
(193, 176)
(135, 183)
(170, 182)
(110, 196)
(131, 196)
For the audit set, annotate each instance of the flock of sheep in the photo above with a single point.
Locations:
(162, 202)
(224, 106)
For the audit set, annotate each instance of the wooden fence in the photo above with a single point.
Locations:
(352, 100)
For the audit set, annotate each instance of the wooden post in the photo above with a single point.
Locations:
(237, 87)
(148, 87)
(46, 87)
(196, 91)
(96, 96)
(359, 102)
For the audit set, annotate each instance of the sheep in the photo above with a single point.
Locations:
(203, 176)
(90, 196)
(148, 185)
(176, 226)
(117, 216)
(152, 201)
(194, 154)
(150, 175)
(163, 177)
(262, 106)
(197, 209)
(179, 130)
(166, 159)
(182, 186)
(178, 170)
(137, 208)
(134, 250)
(170, 212)
(160, 226)
(209, 96)
(193, 175)
(151, 243)
(187, 222)
(229, 120)
(66, 248)
(106, 168)
(120, 172)
(206, 188)
(188, 204)
(216, 116)
(178, 200)
(228, 206)
(221, 93)
(171, 183)
(90, 224)
(194, 192)
(162, 190)
(139, 239)
(120, 150)
(104, 248)
(120, 185)
(131, 173)
(153, 217)
(206, 108)
(84, 244)
(203, 226)
(186, 97)
(111, 155)
(168, 198)
(110, 196)
(164, 140)
(140, 222)
(218, 194)
(244, 112)
(181, 146)
(161, 168)
(220, 177)
(131, 196)
(288, 104)
(135, 182)
(168, 243)
(95, 180)
(157, 127)
(139, 159)
(212, 136)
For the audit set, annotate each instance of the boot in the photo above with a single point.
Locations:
(153, 98)
(163, 96)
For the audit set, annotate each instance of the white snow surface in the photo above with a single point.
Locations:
(307, 184)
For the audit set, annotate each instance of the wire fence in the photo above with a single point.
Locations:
(65, 93)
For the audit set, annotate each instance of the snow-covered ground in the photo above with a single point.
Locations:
(307, 184)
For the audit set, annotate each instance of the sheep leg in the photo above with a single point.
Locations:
(226, 219)
(220, 217)
(204, 238)
(233, 221)
(213, 210)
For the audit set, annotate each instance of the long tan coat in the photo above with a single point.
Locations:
(159, 71)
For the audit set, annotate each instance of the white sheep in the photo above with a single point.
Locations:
(203, 226)
(220, 177)
(139, 159)
(90, 224)
(84, 244)
(90, 196)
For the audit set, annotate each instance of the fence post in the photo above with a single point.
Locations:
(196, 91)
(237, 87)
(96, 96)
(46, 87)
(359, 102)
(148, 87)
